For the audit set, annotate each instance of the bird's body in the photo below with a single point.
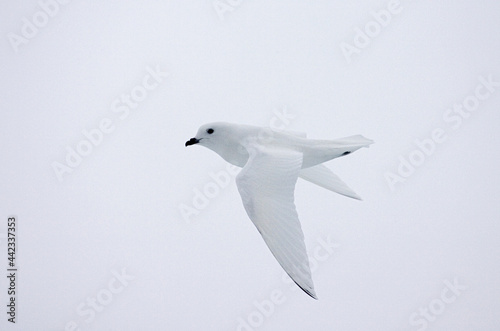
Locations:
(272, 161)
(239, 137)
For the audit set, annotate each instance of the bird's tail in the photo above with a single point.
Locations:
(324, 177)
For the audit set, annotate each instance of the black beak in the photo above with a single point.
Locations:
(192, 141)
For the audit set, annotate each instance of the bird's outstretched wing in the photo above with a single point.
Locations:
(266, 185)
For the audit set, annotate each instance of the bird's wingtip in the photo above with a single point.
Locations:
(309, 292)
(313, 295)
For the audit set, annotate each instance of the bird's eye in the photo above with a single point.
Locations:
(210, 131)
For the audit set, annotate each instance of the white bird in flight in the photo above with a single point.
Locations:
(272, 161)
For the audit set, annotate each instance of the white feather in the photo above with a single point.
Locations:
(266, 185)
(272, 161)
(324, 177)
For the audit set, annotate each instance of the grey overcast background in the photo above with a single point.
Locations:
(120, 227)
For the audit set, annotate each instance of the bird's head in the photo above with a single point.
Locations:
(210, 135)
(224, 139)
